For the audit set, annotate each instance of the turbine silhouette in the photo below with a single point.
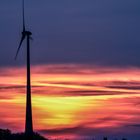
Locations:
(27, 35)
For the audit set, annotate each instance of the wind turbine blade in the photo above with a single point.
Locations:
(22, 39)
(23, 15)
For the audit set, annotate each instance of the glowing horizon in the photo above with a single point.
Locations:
(72, 99)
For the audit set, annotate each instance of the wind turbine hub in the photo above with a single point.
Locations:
(28, 33)
(24, 33)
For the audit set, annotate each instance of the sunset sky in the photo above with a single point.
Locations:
(85, 67)
(73, 100)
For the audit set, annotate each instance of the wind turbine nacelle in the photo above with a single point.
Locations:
(26, 33)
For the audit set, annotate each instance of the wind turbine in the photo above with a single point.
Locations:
(27, 35)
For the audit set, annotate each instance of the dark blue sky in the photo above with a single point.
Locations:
(103, 32)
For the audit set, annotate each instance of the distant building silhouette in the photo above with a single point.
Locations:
(105, 138)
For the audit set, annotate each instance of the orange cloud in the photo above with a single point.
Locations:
(71, 96)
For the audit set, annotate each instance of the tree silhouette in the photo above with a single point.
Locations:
(7, 135)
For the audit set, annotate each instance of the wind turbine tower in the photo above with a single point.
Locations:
(27, 35)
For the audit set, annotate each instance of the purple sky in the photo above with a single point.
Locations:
(82, 31)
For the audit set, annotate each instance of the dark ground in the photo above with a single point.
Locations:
(7, 135)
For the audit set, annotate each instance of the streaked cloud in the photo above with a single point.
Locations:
(107, 96)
